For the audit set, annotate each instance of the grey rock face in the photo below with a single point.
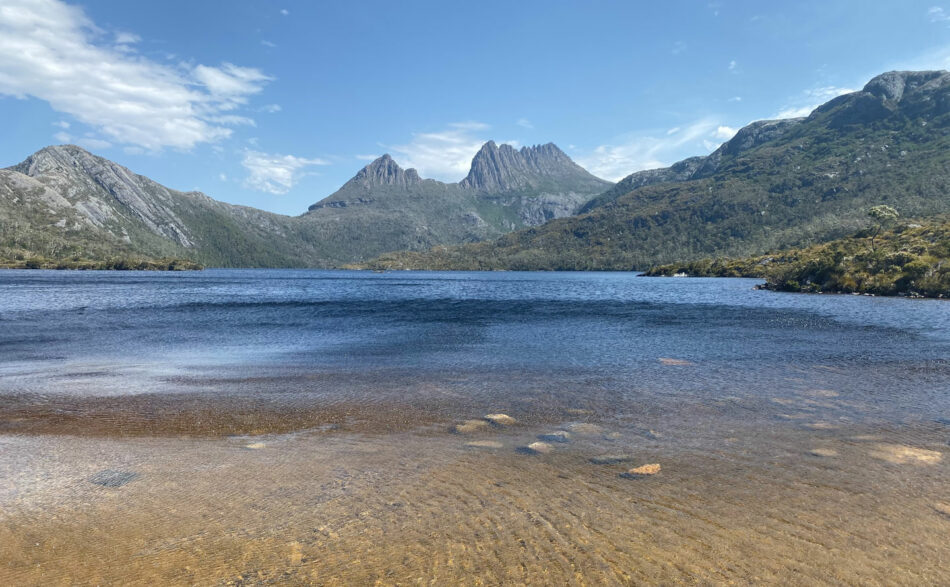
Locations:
(892, 85)
(504, 169)
(385, 171)
(83, 179)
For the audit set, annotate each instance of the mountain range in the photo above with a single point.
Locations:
(63, 202)
(776, 184)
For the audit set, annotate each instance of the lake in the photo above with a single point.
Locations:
(258, 426)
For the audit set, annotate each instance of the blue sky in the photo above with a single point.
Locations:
(275, 104)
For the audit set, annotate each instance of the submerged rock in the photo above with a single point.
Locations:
(942, 508)
(501, 419)
(558, 436)
(823, 452)
(611, 459)
(484, 444)
(901, 454)
(470, 426)
(644, 470)
(254, 445)
(585, 429)
(537, 448)
(113, 478)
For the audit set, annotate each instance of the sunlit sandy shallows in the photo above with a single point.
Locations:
(249, 427)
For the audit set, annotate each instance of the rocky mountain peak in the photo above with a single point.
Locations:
(103, 190)
(894, 84)
(502, 168)
(385, 171)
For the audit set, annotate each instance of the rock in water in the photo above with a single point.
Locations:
(585, 429)
(611, 459)
(484, 444)
(538, 448)
(470, 426)
(558, 436)
(644, 470)
(900, 454)
(501, 419)
(254, 445)
(113, 478)
(823, 452)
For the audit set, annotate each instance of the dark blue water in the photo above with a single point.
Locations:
(602, 336)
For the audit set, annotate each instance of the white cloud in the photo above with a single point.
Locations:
(525, 123)
(938, 14)
(804, 104)
(271, 108)
(646, 151)
(725, 132)
(61, 124)
(367, 157)
(267, 43)
(126, 38)
(735, 99)
(50, 52)
(732, 65)
(223, 176)
(274, 173)
(63, 137)
(446, 154)
(284, 11)
(232, 120)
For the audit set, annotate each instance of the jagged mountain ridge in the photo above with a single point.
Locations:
(385, 207)
(775, 185)
(63, 200)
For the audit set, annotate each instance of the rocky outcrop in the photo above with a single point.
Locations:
(500, 169)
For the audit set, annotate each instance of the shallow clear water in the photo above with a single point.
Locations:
(797, 420)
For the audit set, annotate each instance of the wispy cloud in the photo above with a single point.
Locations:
(938, 14)
(637, 152)
(678, 48)
(274, 173)
(733, 65)
(807, 101)
(267, 43)
(52, 51)
(284, 11)
(525, 123)
(445, 154)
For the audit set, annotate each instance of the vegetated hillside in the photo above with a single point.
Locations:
(63, 206)
(912, 259)
(811, 182)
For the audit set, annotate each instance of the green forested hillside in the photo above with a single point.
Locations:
(912, 259)
(887, 144)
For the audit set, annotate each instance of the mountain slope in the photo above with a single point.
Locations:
(63, 201)
(812, 181)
